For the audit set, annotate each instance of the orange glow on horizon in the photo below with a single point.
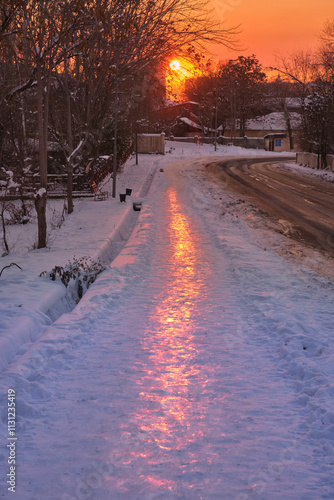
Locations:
(271, 30)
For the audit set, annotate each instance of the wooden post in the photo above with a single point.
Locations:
(136, 148)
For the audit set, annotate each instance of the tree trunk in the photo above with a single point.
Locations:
(4, 236)
(288, 124)
(70, 206)
(242, 126)
(323, 146)
(40, 200)
(40, 205)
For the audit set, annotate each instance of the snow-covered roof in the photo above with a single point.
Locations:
(293, 102)
(273, 121)
(189, 122)
(151, 135)
(170, 103)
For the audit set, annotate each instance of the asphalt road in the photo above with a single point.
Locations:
(305, 202)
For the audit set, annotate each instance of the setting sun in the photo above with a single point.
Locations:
(177, 73)
(175, 65)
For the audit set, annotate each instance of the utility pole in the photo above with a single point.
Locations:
(216, 119)
(115, 138)
(136, 145)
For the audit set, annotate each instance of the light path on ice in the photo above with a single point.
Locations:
(167, 380)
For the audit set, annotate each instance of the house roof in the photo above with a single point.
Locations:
(191, 123)
(273, 121)
(276, 135)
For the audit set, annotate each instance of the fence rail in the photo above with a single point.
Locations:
(314, 161)
(56, 185)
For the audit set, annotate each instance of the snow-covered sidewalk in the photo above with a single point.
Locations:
(199, 365)
(97, 230)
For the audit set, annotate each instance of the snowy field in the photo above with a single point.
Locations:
(199, 365)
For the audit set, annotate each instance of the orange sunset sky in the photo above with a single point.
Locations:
(271, 28)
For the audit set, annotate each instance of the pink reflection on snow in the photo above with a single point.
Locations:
(171, 415)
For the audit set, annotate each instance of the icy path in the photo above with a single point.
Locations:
(198, 367)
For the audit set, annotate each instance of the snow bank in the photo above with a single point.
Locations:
(98, 230)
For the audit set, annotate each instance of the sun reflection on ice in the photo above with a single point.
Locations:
(171, 415)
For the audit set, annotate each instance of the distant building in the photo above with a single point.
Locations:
(270, 132)
(180, 119)
(273, 128)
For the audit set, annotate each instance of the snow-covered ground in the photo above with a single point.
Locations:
(199, 365)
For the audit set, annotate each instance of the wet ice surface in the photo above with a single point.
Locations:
(199, 367)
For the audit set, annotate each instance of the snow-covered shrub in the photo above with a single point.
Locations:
(10, 211)
(77, 275)
(58, 218)
(6, 184)
(19, 214)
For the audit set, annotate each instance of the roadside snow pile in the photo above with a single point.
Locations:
(311, 172)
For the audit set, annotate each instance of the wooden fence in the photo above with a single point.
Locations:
(313, 161)
(151, 143)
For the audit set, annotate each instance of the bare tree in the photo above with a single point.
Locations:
(206, 90)
(327, 49)
(241, 82)
(47, 24)
(313, 72)
(122, 42)
(93, 50)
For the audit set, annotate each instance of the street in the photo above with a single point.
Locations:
(307, 203)
(196, 367)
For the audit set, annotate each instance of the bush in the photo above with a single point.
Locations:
(79, 274)
(19, 214)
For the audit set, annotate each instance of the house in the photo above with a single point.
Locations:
(180, 118)
(273, 129)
